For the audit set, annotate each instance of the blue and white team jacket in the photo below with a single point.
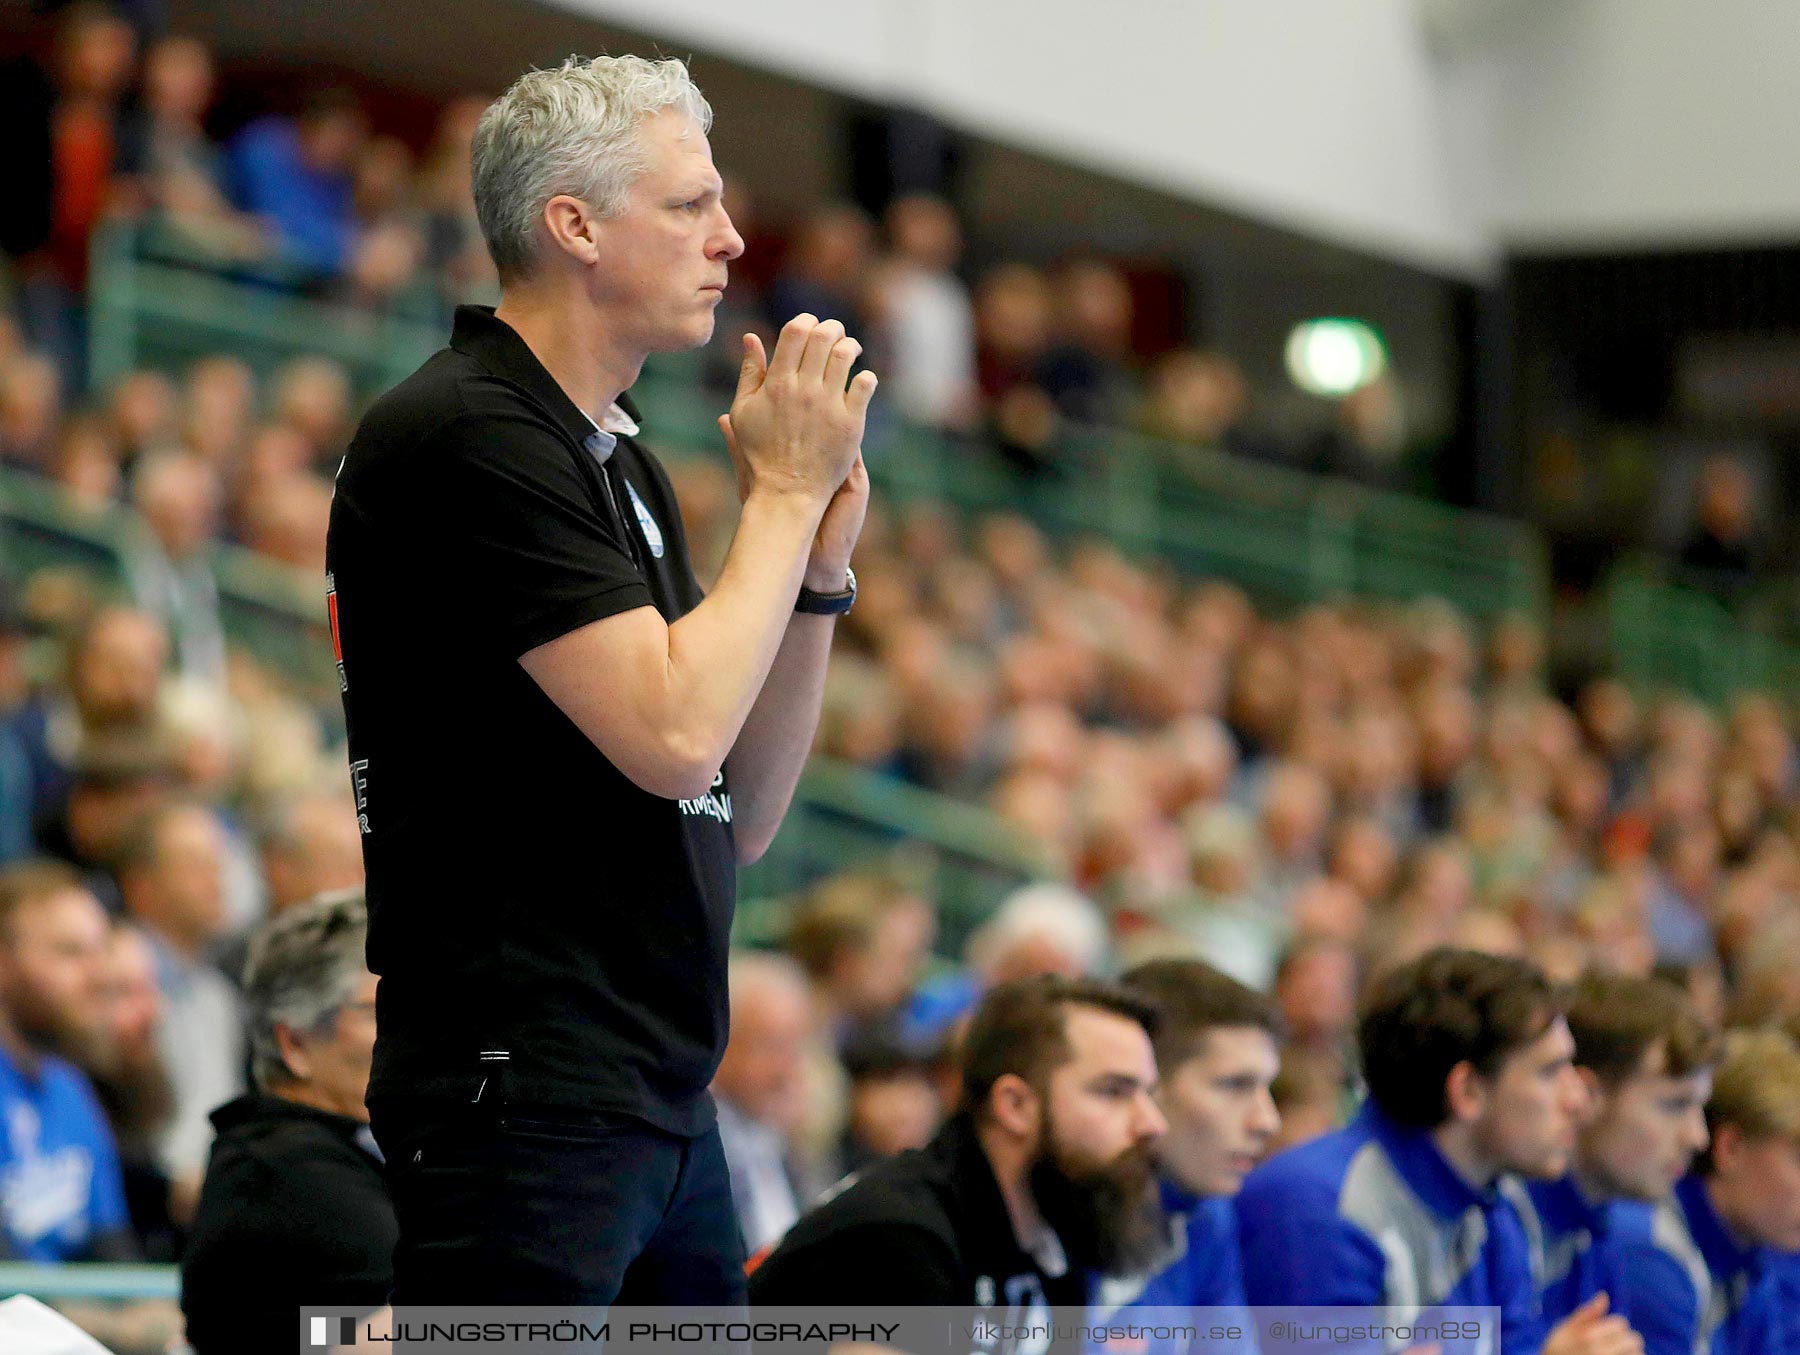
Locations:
(1572, 1256)
(1689, 1288)
(1784, 1268)
(60, 1187)
(1374, 1216)
(1204, 1271)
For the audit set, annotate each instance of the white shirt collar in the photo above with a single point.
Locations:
(1046, 1248)
(615, 421)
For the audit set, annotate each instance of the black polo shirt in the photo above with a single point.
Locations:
(927, 1228)
(540, 924)
(293, 1213)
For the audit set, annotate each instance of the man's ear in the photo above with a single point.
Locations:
(573, 227)
(1727, 1147)
(1015, 1107)
(1593, 1090)
(1465, 1092)
(294, 1052)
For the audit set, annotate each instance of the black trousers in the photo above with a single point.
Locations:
(501, 1204)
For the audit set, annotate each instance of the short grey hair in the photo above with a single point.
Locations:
(1065, 917)
(304, 966)
(752, 971)
(571, 129)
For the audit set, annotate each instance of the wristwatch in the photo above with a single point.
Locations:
(828, 604)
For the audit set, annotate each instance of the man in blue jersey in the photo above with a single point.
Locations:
(1216, 1056)
(61, 1194)
(1646, 1057)
(1785, 1265)
(1467, 1058)
(1784, 1270)
(1701, 1274)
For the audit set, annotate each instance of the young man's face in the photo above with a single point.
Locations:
(663, 260)
(1092, 1176)
(1221, 1116)
(1644, 1130)
(1534, 1103)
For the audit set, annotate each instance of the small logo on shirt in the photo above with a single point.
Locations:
(653, 536)
(359, 782)
(44, 1192)
(711, 805)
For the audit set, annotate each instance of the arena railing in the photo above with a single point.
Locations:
(842, 816)
(1662, 633)
(961, 856)
(272, 611)
(89, 1281)
(1288, 536)
(155, 300)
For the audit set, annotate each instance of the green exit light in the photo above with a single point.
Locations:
(1334, 357)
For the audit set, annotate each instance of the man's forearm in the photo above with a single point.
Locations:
(771, 750)
(721, 654)
(666, 703)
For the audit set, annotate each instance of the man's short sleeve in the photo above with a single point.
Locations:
(522, 530)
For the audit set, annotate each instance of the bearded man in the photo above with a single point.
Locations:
(1042, 1179)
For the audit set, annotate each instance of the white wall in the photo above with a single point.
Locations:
(1323, 115)
(1662, 122)
(1435, 132)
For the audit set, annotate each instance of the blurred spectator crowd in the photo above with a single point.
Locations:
(1300, 800)
(1303, 801)
(100, 131)
(111, 128)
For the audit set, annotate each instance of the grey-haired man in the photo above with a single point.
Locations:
(561, 747)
